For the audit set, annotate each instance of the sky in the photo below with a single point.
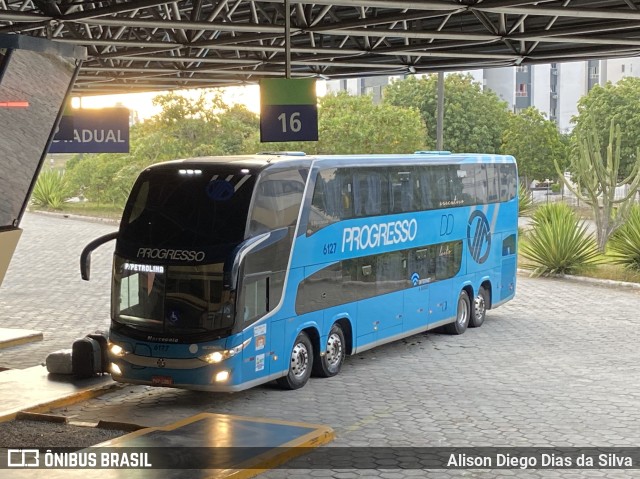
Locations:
(143, 102)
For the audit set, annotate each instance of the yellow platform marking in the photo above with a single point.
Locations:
(317, 436)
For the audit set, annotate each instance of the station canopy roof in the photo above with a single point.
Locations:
(146, 45)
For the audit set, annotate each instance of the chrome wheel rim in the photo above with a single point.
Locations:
(334, 350)
(299, 360)
(463, 312)
(480, 307)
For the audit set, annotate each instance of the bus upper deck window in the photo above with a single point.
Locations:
(277, 201)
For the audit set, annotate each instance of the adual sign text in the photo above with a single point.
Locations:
(93, 131)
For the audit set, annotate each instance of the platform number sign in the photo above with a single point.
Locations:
(288, 110)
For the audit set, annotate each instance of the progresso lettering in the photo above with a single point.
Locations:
(172, 254)
(382, 234)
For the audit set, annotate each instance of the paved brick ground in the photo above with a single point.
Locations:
(43, 290)
(558, 366)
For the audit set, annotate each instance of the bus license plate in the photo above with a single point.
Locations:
(161, 380)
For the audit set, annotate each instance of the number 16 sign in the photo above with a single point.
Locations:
(288, 110)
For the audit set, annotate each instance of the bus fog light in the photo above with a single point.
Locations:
(115, 369)
(222, 376)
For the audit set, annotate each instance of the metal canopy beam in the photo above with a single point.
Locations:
(150, 44)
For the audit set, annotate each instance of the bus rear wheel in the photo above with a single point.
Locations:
(330, 363)
(463, 314)
(300, 363)
(479, 310)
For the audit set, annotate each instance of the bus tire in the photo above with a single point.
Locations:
(479, 309)
(330, 363)
(300, 363)
(463, 314)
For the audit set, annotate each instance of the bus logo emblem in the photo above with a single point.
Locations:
(161, 363)
(479, 236)
(220, 190)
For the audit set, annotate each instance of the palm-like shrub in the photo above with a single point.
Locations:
(51, 190)
(559, 242)
(624, 244)
(525, 201)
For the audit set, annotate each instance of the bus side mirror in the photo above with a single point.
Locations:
(85, 256)
(85, 265)
(250, 246)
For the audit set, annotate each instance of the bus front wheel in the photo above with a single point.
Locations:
(463, 314)
(300, 363)
(479, 310)
(330, 363)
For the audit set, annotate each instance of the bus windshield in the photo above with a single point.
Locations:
(171, 299)
(190, 207)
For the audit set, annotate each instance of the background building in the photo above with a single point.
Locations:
(554, 88)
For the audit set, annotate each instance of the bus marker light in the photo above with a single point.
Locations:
(222, 376)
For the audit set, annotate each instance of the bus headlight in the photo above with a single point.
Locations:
(222, 376)
(219, 356)
(214, 357)
(117, 351)
(115, 370)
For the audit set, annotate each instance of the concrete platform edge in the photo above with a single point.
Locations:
(68, 400)
(27, 337)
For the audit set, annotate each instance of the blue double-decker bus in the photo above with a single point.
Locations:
(232, 272)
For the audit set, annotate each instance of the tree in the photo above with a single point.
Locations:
(474, 119)
(353, 124)
(536, 144)
(601, 105)
(596, 178)
(238, 130)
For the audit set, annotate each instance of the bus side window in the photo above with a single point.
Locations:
(331, 199)
(277, 202)
(508, 182)
(403, 191)
(493, 187)
(448, 259)
(254, 298)
(370, 193)
(427, 187)
(469, 178)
